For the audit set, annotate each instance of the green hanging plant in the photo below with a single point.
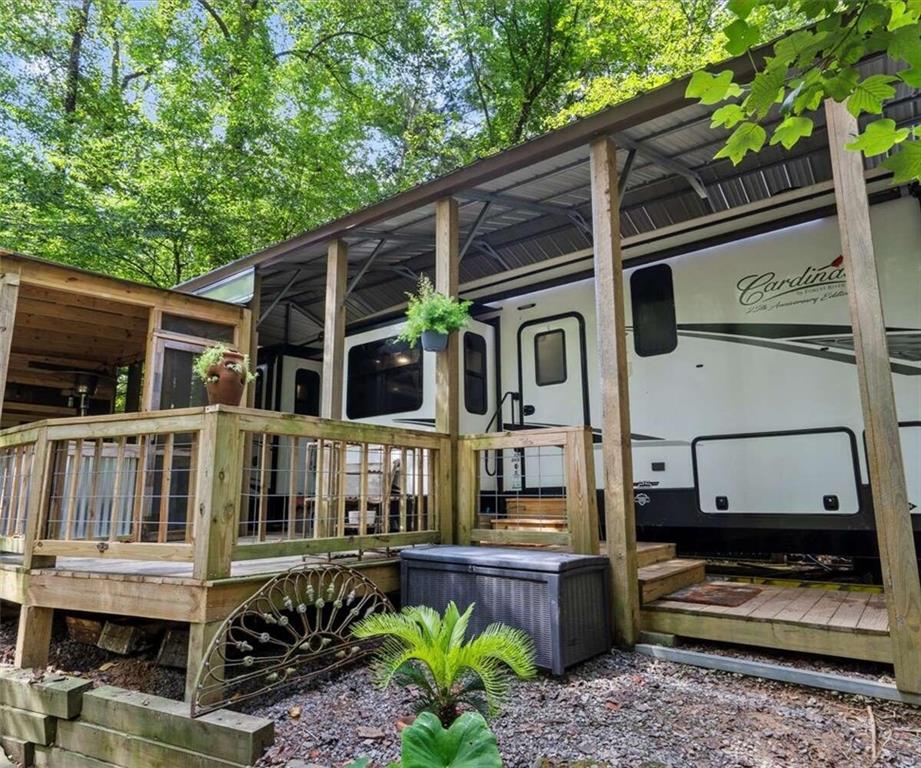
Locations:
(430, 310)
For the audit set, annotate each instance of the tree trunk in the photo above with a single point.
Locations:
(73, 59)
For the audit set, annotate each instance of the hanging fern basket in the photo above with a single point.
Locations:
(433, 341)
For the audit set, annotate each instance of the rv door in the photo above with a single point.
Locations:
(552, 382)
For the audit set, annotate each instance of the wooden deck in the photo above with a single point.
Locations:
(818, 619)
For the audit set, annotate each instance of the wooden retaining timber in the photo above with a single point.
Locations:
(55, 721)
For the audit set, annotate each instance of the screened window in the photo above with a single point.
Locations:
(653, 297)
(306, 392)
(384, 377)
(475, 391)
(550, 357)
(179, 387)
(193, 326)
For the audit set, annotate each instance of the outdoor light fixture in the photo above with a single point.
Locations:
(85, 387)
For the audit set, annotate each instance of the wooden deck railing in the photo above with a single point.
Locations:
(17, 457)
(320, 486)
(533, 486)
(213, 485)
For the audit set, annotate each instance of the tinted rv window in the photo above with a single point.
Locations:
(653, 297)
(550, 357)
(306, 392)
(384, 377)
(475, 373)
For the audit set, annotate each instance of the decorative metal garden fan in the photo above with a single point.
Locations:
(296, 627)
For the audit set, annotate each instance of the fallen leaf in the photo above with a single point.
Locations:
(295, 712)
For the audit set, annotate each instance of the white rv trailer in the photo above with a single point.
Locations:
(745, 410)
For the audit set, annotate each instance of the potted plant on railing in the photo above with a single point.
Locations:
(225, 372)
(431, 316)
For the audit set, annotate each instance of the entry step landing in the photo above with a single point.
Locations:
(662, 577)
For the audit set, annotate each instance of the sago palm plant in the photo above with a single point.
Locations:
(429, 651)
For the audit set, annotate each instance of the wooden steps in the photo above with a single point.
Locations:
(667, 576)
(651, 552)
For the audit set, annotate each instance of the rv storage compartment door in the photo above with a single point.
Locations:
(559, 599)
(810, 472)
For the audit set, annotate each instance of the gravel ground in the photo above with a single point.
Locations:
(622, 709)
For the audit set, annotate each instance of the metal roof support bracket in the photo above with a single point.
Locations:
(486, 248)
(364, 268)
(279, 297)
(478, 222)
(667, 163)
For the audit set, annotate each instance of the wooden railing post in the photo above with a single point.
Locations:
(467, 494)
(39, 485)
(9, 293)
(218, 489)
(581, 501)
(897, 555)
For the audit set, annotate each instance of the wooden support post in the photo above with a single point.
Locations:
(249, 333)
(218, 489)
(581, 501)
(898, 558)
(334, 330)
(447, 276)
(9, 294)
(39, 485)
(200, 637)
(619, 511)
(33, 639)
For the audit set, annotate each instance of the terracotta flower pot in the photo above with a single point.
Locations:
(224, 385)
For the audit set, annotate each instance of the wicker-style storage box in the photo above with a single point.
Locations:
(561, 600)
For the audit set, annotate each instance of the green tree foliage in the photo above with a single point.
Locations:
(157, 139)
(816, 63)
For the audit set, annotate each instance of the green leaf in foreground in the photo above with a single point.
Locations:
(878, 137)
(906, 163)
(791, 131)
(748, 137)
(711, 89)
(740, 36)
(468, 743)
(870, 94)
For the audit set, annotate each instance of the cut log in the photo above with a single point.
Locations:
(174, 650)
(83, 630)
(125, 639)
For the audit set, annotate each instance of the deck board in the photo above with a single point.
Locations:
(830, 620)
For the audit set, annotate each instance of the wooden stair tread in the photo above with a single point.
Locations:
(669, 576)
(651, 552)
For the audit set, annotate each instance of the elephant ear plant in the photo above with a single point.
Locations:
(432, 316)
(429, 652)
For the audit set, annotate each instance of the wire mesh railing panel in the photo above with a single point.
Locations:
(125, 488)
(310, 487)
(522, 489)
(16, 462)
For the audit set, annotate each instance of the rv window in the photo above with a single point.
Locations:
(306, 392)
(384, 377)
(653, 297)
(550, 357)
(475, 392)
